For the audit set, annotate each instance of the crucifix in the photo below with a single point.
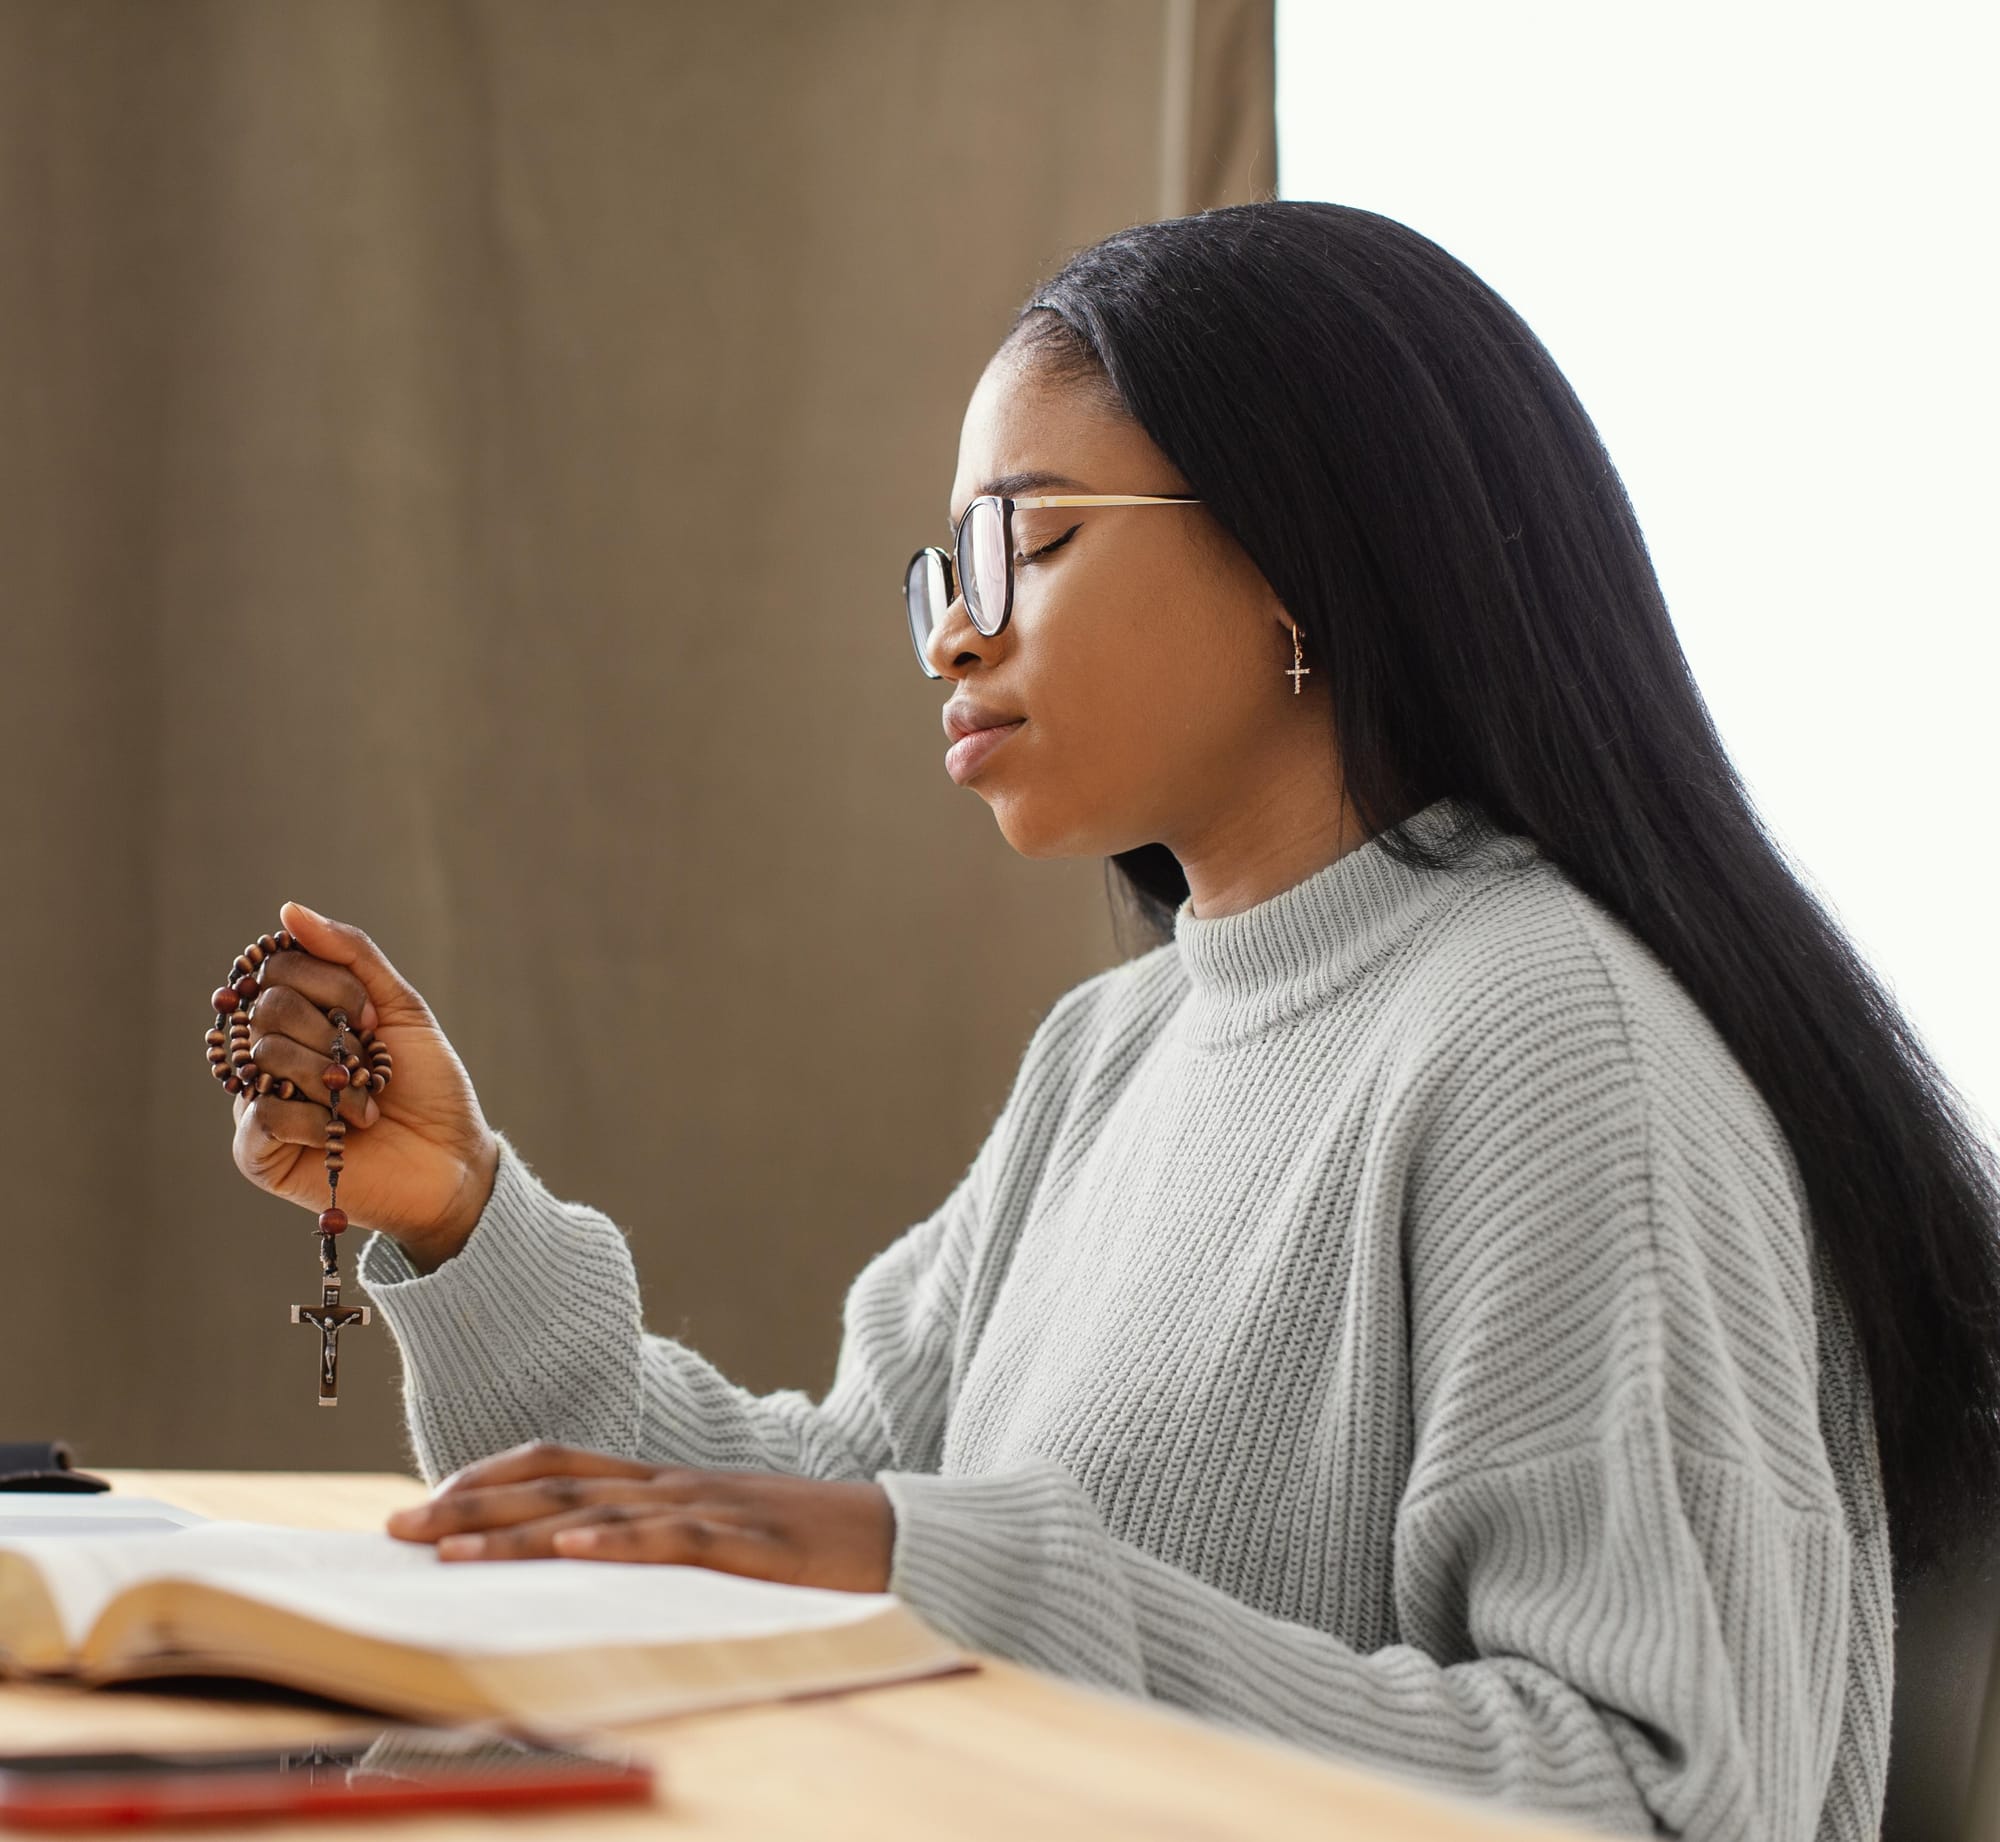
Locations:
(329, 1317)
(1300, 669)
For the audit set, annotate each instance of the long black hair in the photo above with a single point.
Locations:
(1400, 457)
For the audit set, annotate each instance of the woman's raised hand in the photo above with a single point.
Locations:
(420, 1157)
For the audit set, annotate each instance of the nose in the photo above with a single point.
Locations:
(952, 638)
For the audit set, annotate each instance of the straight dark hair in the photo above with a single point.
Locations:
(1401, 458)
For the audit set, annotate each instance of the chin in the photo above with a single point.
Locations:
(1033, 831)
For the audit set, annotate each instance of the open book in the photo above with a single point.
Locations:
(387, 1625)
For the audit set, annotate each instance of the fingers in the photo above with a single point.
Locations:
(317, 986)
(683, 1538)
(544, 1458)
(304, 1069)
(293, 1040)
(257, 1154)
(691, 1535)
(395, 999)
(267, 1120)
(544, 1479)
(501, 1507)
(505, 1505)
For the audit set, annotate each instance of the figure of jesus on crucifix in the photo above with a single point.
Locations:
(329, 1317)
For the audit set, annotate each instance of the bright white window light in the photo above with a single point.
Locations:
(1758, 239)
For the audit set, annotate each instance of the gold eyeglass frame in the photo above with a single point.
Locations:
(950, 575)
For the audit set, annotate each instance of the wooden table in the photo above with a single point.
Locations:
(1002, 1752)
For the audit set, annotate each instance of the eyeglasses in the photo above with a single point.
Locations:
(983, 545)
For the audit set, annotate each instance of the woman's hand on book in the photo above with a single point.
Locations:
(420, 1160)
(557, 1501)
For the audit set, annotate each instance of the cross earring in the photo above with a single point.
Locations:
(1299, 668)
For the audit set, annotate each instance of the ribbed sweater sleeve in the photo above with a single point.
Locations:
(1621, 1570)
(532, 1331)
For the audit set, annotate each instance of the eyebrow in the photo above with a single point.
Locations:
(1008, 484)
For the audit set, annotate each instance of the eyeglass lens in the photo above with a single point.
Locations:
(981, 567)
(982, 564)
(925, 597)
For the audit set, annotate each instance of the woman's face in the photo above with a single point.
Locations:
(1145, 654)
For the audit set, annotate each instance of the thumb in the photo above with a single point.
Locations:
(391, 997)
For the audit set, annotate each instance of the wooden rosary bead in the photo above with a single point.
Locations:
(332, 1221)
(334, 1075)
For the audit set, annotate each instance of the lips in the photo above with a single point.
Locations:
(964, 717)
(968, 754)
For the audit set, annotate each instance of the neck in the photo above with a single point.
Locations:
(1286, 828)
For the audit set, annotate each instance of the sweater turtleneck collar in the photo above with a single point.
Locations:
(1294, 948)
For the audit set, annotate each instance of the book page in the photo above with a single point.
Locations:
(82, 1574)
(380, 1587)
(66, 1512)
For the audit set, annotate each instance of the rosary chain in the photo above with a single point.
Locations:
(367, 1068)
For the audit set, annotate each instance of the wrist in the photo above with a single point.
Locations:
(433, 1246)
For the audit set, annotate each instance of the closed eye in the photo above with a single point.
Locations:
(1030, 555)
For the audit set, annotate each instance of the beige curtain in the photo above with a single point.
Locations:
(456, 462)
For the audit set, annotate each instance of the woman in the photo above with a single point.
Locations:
(1483, 1294)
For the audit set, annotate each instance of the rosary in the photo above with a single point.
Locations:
(231, 1063)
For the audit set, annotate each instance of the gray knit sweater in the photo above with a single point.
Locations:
(1383, 1319)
